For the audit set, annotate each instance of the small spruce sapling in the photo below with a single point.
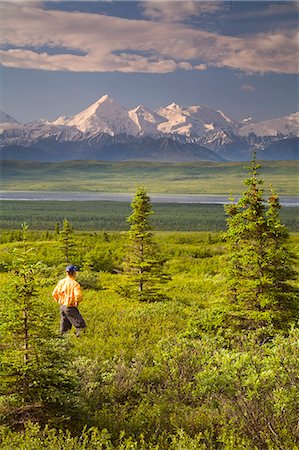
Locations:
(67, 240)
(36, 376)
(144, 262)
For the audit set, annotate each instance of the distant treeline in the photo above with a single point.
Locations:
(111, 216)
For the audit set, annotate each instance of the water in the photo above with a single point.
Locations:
(120, 197)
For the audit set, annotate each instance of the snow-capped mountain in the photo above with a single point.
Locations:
(28, 134)
(287, 126)
(109, 117)
(194, 120)
(106, 126)
(146, 120)
(104, 116)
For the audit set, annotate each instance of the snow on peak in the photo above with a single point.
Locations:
(287, 125)
(226, 117)
(38, 123)
(141, 109)
(105, 115)
(62, 120)
(146, 120)
(194, 120)
(173, 106)
(247, 120)
(105, 98)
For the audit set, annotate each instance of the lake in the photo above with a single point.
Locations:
(113, 196)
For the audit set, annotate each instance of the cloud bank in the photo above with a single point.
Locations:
(178, 11)
(36, 38)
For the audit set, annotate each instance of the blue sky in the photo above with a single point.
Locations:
(60, 57)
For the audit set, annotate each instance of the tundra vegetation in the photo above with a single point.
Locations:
(197, 177)
(203, 353)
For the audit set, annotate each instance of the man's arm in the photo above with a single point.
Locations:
(77, 294)
(55, 293)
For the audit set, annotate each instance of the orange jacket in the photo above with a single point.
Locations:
(67, 292)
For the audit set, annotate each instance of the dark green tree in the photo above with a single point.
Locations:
(260, 264)
(57, 229)
(67, 240)
(36, 377)
(280, 259)
(144, 262)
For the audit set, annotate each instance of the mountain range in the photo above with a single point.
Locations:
(108, 131)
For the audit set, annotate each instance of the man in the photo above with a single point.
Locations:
(68, 294)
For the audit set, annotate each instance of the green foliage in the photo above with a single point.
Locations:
(57, 229)
(67, 240)
(160, 177)
(35, 438)
(171, 375)
(92, 439)
(144, 264)
(105, 215)
(30, 383)
(260, 264)
(88, 280)
(181, 397)
(281, 269)
(99, 259)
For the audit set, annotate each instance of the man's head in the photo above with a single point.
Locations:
(71, 270)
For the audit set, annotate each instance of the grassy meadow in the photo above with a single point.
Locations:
(175, 374)
(163, 178)
(180, 373)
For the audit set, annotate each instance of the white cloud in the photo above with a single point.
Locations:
(247, 88)
(178, 11)
(108, 44)
(201, 67)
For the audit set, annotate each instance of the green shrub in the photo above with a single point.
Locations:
(88, 280)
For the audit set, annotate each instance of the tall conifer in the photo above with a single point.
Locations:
(260, 264)
(144, 263)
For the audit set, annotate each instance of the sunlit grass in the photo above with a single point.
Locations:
(163, 178)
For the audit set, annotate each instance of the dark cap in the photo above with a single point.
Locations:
(71, 269)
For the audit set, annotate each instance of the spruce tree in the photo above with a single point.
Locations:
(57, 229)
(144, 263)
(259, 262)
(36, 378)
(67, 240)
(280, 259)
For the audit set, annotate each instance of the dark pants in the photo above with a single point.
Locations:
(69, 315)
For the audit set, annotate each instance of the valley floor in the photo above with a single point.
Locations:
(198, 178)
